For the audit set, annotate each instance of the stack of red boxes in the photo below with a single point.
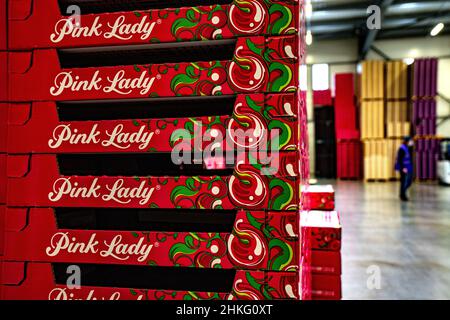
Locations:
(133, 161)
(3, 121)
(424, 91)
(322, 98)
(321, 242)
(347, 132)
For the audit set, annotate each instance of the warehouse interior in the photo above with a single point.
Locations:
(405, 242)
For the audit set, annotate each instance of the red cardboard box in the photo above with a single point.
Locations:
(3, 178)
(317, 197)
(326, 287)
(306, 279)
(349, 154)
(4, 77)
(321, 230)
(322, 98)
(36, 128)
(36, 281)
(2, 230)
(3, 126)
(258, 65)
(257, 241)
(3, 26)
(36, 181)
(344, 105)
(326, 262)
(39, 24)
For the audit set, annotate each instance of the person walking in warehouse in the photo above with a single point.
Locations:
(404, 165)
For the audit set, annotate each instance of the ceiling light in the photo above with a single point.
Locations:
(438, 28)
(408, 61)
(309, 38)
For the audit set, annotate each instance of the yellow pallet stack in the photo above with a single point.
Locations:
(384, 116)
(393, 145)
(373, 120)
(396, 80)
(379, 159)
(397, 111)
(397, 119)
(398, 123)
(376, 160)
(372, 78)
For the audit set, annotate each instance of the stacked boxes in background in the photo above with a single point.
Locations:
(318, 197)
(325, 140)
(372, 81)
(424, 78)
(94, 113)
(397, 111)
(379, 159)
(424, 92)
(380, 149)
(398, 123)
(427, 152)
(373, 120)
(3, 119)
(322, 98)
(424, 117)
(384, 116)
(347, 131)
(321, 232)
(372, 100)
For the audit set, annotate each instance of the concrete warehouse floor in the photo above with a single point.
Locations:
(408, 243)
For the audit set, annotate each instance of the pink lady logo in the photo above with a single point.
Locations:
(116, 137)
(62, 242)
(118, 84)
(119, 29)
(67, 294)
(64, 187)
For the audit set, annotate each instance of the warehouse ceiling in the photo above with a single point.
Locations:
(340, 19)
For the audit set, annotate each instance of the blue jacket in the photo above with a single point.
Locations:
(405, 161)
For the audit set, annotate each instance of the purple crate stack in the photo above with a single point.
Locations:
(427, 153)
(424, 117)
(424, 91)
(425, 78)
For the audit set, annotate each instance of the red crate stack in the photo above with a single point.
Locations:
(3, 26)
(3, 120)
(322, 98)
(347, 131)
(321, 241)
(121, 151)
(318, 197)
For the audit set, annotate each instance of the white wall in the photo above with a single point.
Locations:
(341, 55)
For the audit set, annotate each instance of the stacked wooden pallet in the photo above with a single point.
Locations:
(3, 119)
(424, 92)
(384, 116)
